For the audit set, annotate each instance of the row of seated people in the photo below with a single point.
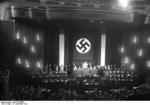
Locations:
(4, 80)
(109, 68)
(120, 78)
(40, 93)
(87, 80)
(54, 71)
(109, 72)
(56, 68)
(119, 74)
(67, 67)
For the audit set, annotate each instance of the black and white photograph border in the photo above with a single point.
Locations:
(74, 51)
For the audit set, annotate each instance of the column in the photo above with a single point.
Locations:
(103, 48)
(61, 48)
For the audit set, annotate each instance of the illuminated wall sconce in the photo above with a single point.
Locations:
(132, 66)
(27, 64)
(122, 49)
(148, 40)
(25, 41)
(39, 65)
(32, 49)
(135, 39)
(126, 60)
(18, 36)
(148, 63)
(19, 60)
(140, 53)
(38, 38)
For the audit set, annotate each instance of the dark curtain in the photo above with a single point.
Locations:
(6, 34)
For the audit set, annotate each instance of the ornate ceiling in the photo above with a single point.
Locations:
(107, 10)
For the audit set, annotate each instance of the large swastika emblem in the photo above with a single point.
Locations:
(83, 45)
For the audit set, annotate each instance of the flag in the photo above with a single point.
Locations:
(83, 47)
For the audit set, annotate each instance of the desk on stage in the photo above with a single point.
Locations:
(84, 72)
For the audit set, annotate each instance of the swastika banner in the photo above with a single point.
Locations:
(84, 46)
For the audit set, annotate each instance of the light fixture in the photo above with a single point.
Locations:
(132, 66)
(122, 49)
(18, 35)
(126, 60)
(124, 3)
(38, 37)
(135, 39)
(32, 49)
(19, 60)
(27, 64)
(148, 63)
(140, 52)
(148, 40)
(25, 40)
(39, 65)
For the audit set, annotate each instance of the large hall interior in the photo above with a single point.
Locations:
(75, 50)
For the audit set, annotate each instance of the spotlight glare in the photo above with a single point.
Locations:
(124, 3)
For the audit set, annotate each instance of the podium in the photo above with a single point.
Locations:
(93, 72)
(77, 73)
(85, 72)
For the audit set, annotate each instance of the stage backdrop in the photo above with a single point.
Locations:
(84, 47)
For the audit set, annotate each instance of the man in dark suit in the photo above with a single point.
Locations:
(4, 82)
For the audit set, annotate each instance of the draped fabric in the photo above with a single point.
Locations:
(6, 33)
(28, 47)
(83, 47)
